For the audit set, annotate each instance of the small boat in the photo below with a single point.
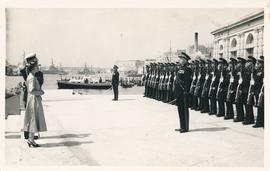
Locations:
(84, 83)
(127, 85)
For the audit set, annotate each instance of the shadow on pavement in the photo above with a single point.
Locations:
(52, 137)
(125, 99)
(64, 144)
(66, 136)
(13, 136)
(209, 129)
(12, 132)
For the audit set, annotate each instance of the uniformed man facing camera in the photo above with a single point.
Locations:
(115, 82)
(181, 92)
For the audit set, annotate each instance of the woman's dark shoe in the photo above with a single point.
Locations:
(31, 144)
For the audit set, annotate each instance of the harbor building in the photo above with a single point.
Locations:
(241, 38)
(130, 66)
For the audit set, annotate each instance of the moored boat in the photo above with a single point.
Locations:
(85, 83)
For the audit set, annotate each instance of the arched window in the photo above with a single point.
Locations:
(249, 39)
(221, 47)
(234, 43)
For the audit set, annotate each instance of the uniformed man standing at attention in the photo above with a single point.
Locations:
(231, 89)
(259, 92)
(239, 97)
(181, 92)
(213, 88)
(115, 82)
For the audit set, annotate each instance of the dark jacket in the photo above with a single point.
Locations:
(182, 82)
(115, 78)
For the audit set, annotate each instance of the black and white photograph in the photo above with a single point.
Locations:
(159, 87)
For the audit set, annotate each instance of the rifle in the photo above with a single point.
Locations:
(231, 85)
(250, 99)
(220, 85)
(261, 97)
(239, 87)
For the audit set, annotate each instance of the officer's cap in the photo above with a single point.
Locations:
(222, 60)
(115, 66)
(202, 61)
(261, 59)
(241, 60)
(209, 61)
(251, 59)
(215, 61)
(184, 55)
(233, 60)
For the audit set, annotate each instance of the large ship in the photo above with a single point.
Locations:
(54, 70)
(86, 71)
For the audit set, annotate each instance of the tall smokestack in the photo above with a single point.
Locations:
(196, 42)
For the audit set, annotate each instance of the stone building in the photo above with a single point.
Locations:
(130, 66)
(241, 38)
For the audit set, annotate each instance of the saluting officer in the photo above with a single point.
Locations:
(206, 87)
(250, 101)
(231, 89)
(181, 91)
(259, 92)
(213, 88)
(240, 95)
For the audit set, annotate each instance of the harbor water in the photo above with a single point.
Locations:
(50, 83)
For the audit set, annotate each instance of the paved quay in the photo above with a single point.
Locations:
(134, 131)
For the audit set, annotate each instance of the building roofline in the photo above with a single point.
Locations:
(242, 20)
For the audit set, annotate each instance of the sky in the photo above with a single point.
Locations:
(100, 37)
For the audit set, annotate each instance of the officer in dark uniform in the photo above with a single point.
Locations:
(151, 80)
(39, 76)
(250, 101)
(115, 82)
(158, 79)
(191, 91)
(193, 85)
(156, 82)
(199, 85)
(231, 89)
(213, 88)
(222, 87)
(175, 70)
(170, 83)
(145, 81)
(181, 91)
(162, 81)
(240, 94)
(166, 82)
(206, 87)
(259, 92)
